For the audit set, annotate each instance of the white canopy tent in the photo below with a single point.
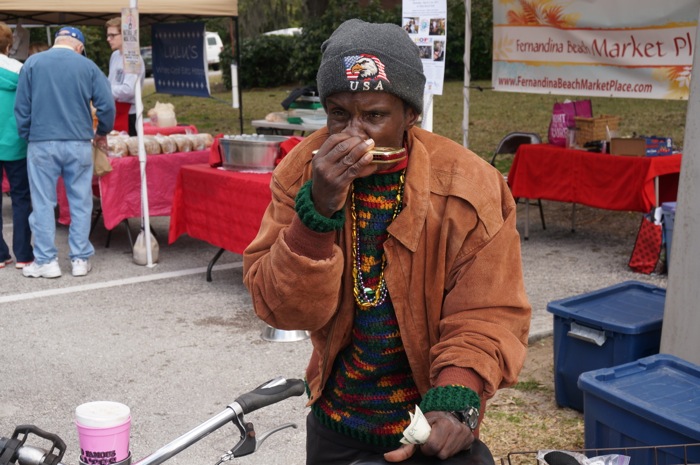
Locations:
(95, 13)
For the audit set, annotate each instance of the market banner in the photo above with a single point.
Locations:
(179, 61)
(625, 48)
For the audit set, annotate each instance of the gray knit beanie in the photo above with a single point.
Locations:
(367, 57)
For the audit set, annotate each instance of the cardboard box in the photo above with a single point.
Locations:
(603, 328)
(635, 147)
(641, 146)
(649, 402)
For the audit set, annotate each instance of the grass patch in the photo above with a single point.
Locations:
(529, 386)
(507, 417)
(491, 114)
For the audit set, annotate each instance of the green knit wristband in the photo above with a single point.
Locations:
(313, 219)
(453, 398)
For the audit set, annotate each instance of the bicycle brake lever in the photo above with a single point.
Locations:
(250, 441)
(269, 433)
(247, 444)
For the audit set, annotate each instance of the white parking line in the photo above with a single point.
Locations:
(115, 283)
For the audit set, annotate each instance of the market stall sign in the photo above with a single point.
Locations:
(179, 59)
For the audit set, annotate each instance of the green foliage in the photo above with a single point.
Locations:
(454, 54)
(96, 46)
(481, 40)
(299, 63)
(258, 16)
(226, 59)
(265, 61)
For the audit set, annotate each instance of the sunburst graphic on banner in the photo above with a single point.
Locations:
(677, 79)
(502, 48)
(540, 13)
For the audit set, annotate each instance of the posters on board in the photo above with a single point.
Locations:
(179, 59)
(131, 52)
(626, 48)
(426, 23)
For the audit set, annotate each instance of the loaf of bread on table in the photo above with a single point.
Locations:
(167, 145)
(201, 141)
(116, 145)
(150, 144)
(184, 144)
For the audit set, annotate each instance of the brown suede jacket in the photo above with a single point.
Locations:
(454, 270)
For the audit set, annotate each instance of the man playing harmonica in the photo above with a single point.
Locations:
(407, 273)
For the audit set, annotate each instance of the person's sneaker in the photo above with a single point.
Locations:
(47, 270)
(4, 263)
(21, 265)
(80, 267)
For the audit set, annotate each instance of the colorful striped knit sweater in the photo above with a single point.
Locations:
(370, 391)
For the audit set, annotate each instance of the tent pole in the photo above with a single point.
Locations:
(145, 218)
(238, 63)
(467, 69)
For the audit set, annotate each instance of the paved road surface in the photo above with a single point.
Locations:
(178, 349)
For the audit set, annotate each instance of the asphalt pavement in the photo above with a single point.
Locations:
(178, 349)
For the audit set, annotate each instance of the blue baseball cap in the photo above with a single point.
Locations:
(72, 32)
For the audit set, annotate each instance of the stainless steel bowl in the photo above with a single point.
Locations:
(250, 152)
(280, 335)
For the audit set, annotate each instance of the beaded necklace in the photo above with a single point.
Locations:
(365, 296)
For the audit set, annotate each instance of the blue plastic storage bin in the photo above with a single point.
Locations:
(653, 401)
(669, 211)
(603, 328)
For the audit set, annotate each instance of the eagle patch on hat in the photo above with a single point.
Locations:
(361, 56)
(364, 67)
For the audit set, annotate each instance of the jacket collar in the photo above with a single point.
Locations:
(416, 195)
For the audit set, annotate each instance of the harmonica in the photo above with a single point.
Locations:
(384, 154)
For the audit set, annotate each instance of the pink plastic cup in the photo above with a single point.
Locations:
(103, 432)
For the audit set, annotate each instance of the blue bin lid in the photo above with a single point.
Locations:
(662, 388)
(668, 206)
(631, 307)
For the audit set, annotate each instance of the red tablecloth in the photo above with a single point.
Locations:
(120, 190)
(611, 182)
(63, 210)
(221, 207)
(149, 129)
(62, 199)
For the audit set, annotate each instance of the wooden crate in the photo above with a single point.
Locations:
(592, 129)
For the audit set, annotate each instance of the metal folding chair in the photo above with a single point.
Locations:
(509, 145)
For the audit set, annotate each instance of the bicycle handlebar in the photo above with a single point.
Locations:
(277, 389)
(270, 392)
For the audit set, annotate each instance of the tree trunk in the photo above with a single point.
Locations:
(315, 8)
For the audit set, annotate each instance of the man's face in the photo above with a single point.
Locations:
(378, 115)
(114, 38)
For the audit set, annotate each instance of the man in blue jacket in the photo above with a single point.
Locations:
(52, 108)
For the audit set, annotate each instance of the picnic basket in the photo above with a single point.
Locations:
(596, 128)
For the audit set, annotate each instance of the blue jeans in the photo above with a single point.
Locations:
(46, 162)
(21, 208)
